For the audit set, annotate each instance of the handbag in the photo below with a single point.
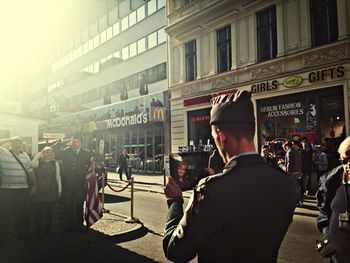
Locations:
(29, 181)
(324, 247)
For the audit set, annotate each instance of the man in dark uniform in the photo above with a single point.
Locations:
(239, 215)
(76, 163)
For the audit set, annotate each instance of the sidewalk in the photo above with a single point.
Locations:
(72, 246)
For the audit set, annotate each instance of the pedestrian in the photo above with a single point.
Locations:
(49, 189)
(268, 156)
(331, 201)
(76, 162)
(306, 157)
(123, 164)
(293, 167)
(320, 161)
(339, 225)
(17, 184)
(240, 214)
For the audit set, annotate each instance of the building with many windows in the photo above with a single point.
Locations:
(111, 67)
(294, 56)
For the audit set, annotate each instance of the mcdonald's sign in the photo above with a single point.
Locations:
(158, 114)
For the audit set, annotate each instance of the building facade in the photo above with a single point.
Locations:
(112, 60)
(294, 56)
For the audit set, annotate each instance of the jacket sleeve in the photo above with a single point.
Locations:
(185, 233)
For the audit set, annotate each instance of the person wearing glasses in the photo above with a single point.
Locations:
(332, 202)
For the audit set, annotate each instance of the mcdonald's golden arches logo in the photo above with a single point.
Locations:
(158, 114)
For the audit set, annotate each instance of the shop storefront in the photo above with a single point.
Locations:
(311, 105)
(139, 125)
(317, 116)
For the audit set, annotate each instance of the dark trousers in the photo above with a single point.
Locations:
(307, 181)
(14, 203)
(74, 201)
(126, 173)
(43, 217)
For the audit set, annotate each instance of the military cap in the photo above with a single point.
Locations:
(232, 108)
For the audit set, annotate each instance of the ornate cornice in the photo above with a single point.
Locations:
(324, 57)
(266, 71)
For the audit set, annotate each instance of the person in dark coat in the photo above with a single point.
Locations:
(239, 215)
(76, 162)
(340, 237)
(306, 157)
(123, 165)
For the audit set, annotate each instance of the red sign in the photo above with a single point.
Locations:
(205, 98)
(200, 118)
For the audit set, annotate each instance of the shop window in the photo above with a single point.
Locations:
(223, 37)
(266, 33)
(162, 71)
(324, 21)
(316, 116)
(198, 126)
(190, 60)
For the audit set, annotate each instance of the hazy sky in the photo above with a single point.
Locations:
(27, 30)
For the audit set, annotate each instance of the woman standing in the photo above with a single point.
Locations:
(49, 188)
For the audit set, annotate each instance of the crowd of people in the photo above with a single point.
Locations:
(33, 186)
(301, 161)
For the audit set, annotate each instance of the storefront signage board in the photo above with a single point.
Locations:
(47, 135)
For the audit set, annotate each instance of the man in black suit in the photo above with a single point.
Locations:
(76, 163)
(240, 214)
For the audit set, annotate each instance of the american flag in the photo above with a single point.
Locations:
(93, 209)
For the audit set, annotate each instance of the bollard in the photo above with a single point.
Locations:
(131, 219)
(103, 194)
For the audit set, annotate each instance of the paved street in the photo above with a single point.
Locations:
(150, 208)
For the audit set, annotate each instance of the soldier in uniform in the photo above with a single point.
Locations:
(239, 215)
(76, 163)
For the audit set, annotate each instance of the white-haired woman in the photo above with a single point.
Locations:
(49, 188)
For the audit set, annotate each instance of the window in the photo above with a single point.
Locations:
(125, 23)
(151, 7)
(190, 60)
(324, 21)
(132, 49)
(152, 40)
(125, 53)
(161, 36)
(161, 3)
(109, 33)
(267, 38)
(91, 44)
(103, 37)
(141, 45)
(97, 40)
(223, 37)
(116, 29)
(141, 13)
(117, 54)
(86, 47)
(132, 18)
